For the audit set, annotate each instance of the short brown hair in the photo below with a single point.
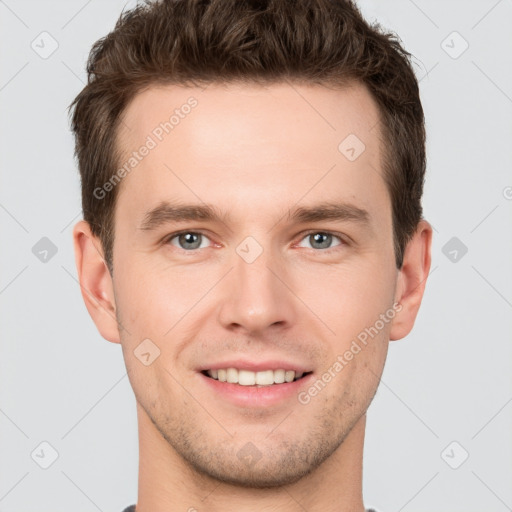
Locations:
(197, 42)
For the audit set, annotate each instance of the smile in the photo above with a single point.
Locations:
(250, 378)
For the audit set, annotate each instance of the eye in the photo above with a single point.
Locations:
(193, 240)
(322, 240)
(187, 240)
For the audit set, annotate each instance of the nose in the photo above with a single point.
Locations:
(257, 295)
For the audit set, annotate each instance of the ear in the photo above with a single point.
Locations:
(412, 279)
(95, 281)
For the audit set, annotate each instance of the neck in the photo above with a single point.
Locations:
(168, 483)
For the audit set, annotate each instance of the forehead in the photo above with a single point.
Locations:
(220, 113)
(254, 146)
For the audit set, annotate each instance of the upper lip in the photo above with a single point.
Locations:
(256, 366)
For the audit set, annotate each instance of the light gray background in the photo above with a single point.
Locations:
(449, 380)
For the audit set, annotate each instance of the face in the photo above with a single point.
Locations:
(255, 233)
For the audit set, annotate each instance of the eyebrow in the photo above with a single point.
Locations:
(166, 212)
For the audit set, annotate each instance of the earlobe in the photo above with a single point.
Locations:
(95, 281)
(412, 280)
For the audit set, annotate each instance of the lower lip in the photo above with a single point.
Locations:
(253, 396)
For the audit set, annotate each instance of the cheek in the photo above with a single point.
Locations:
(152, 302)
(349, 298)
(143, 291)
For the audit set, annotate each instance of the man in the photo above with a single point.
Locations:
(252, 174)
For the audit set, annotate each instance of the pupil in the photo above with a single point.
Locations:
(188, 238)
(325, 244)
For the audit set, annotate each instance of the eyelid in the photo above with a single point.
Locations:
(167, 238)
(344, 239)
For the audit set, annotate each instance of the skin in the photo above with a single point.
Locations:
(255, 153)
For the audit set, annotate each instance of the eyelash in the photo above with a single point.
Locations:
(339, 236)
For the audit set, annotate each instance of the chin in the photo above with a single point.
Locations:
(259, 476)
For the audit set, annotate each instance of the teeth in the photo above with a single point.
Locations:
(279, 376)
(289, 376)
(248, 378)
(232, 375)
